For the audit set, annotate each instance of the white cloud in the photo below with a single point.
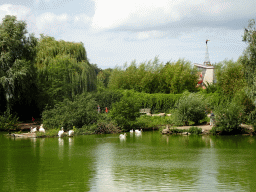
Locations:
(38, 1)
(82, 20)
(144, 35)
(50, 18)
(130, 14)
(52, 24)
(21, 12)
(115, 13)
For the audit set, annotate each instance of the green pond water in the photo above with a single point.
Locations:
(150, 162)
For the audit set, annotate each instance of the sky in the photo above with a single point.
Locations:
(118, 31)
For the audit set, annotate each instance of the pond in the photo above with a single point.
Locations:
(149, 162)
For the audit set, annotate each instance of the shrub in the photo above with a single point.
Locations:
(190, 107)
(125, 111)
(85, 130)
(175, 130)
(8, 122)
(252, 118)
(195, 130)
(81, 111)
(228, 117)
(48, 133)
(105, 125)
(106, 128)
(214, 130)
(145, 121)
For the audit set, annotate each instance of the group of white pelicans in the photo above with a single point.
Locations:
(61, 132)
(70, 133)
(137, 133)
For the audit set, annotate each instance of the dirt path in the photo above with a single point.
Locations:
(203, 127)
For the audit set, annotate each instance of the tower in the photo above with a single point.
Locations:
(206, 70)
(207, 59)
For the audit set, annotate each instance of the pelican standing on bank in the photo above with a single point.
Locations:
(61, 132)
(33, 130)
(41, 129)
(70, 133)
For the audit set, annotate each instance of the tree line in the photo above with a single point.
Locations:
(55, 81)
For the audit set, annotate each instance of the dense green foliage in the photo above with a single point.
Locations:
(63, 70)
(178, 77)
(17, 74)
(195, 130)
(228, 117)
(126, 111)
(157, 102)
(48, 133)
(105, 125)
(103, 79)
(230, 78)
(152, 122)
(248, 59)
(189, 108)
(107, 97)
(154, 77)
(81, 111)
(8, 121)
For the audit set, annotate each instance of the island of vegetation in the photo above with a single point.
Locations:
(54, 82)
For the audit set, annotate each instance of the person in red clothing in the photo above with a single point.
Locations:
(33, 119)
(106, 110)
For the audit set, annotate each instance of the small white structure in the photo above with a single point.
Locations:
(207, 70)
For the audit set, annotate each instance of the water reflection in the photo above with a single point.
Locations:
(153, 162)
(61, 141)
(104, 180)
(61, 147)
(70, 141)
(70, 144)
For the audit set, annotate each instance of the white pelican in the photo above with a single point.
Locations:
(41, 129)
(137, 131)
(61, 132)
(70, 133)
(122, 136)
(33, 130)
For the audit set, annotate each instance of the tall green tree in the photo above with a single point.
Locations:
(103, 79)
(230, 78)
(17, 53)
(63, 70)
(248, 59)
(178, 77)
(154, 77)
(143, 77)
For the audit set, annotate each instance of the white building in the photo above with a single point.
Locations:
(207, 70)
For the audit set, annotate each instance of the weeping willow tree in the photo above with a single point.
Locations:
(17, 53)
(63, 70)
